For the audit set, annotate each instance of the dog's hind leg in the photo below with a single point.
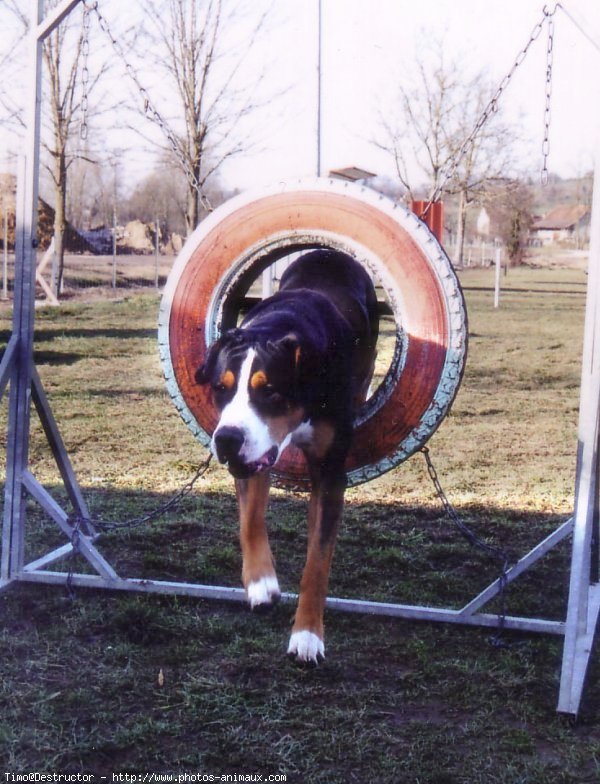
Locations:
(258, 571)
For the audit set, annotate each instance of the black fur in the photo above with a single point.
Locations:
(316, 337)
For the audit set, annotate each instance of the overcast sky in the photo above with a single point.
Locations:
(369, 45)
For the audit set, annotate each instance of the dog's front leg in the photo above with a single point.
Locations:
(324, 516)
(258, 570)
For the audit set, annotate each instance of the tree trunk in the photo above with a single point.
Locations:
(60, 205)
(191, 212)
(461, 222)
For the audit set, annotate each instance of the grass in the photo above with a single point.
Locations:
(122, 683)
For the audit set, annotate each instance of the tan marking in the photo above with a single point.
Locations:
(259, 379)
(315, 578)
(252, 495)
(281, 426)
(321, 439)
(228, 379)
(324, 434)
(297, 355)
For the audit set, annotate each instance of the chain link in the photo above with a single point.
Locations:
(85, 73)
(547, 106)
(448, 170)
(150, 109)
(495, 553)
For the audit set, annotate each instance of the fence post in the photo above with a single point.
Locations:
(498, 260)
(5, 260)
(114, 249)
(156, 252)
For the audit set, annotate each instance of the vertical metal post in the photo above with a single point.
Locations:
(23, 316)
(319, 83)
(584, 595)
(267, 282)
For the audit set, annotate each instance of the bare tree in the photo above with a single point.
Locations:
(210, 99)
(11, 62)
(512, 203)
(70, 84)
(432, 120)
(419, 129)
(64, 54)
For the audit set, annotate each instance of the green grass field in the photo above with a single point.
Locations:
(107, 683)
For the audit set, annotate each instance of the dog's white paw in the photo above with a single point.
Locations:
(306, 647)
(263, 592)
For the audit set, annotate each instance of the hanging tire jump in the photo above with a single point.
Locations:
(232, 246)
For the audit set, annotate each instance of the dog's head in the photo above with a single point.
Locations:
(255, 388)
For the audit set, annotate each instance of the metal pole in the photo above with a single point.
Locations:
(583, 606)
(319, 84)
(19, 407)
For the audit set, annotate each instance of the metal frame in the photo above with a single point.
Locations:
(17, 368)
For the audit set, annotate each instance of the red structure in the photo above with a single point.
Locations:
(432, 213)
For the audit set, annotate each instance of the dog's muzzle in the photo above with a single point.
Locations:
(228, 443)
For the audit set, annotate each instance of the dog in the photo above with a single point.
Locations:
(295, 371)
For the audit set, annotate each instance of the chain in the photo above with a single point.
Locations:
(547, 106)
(104, 526)
(449, 168)
(85, 73)
(150, 109)
(75, 535)
(495, 553)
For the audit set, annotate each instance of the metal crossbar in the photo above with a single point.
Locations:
(17, 367)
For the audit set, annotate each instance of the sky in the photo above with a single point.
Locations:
(368, 47)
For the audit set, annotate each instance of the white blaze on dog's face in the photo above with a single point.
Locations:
(257, 418)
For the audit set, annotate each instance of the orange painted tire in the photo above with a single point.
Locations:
(246, 234)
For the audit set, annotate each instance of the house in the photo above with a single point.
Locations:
(567, 224)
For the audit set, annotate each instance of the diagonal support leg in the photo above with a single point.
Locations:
(6, 366)
(84, 543)
(57, 446)
(519, 568)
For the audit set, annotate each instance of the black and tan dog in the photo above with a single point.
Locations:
(294, 372)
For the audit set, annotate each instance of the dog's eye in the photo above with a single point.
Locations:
(220, 389)
(272, 395)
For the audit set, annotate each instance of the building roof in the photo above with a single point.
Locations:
(351, 173)
(565, 216)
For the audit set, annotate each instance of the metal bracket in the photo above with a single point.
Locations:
(17, 366)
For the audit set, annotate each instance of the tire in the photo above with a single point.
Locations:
(245, 235)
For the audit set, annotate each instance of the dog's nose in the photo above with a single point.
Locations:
(228, 442)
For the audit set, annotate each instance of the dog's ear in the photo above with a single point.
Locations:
(206, 370)
(287, 346)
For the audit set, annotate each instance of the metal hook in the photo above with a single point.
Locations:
(546, 12)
